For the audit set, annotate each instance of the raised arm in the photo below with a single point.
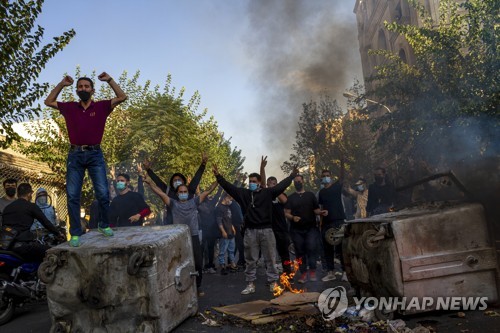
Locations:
(51, 100)
(199, 173)
(217, 195)
(263, 163)
(160, 183)
(228, 187)
(140, 180)
(282, 185)
(205, 193)
(282, 198)
(164, 197)
(346, 189)
(120, 95)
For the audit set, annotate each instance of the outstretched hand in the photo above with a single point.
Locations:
(295, 170)
(204, 157)
(147, 164)
(215, 170)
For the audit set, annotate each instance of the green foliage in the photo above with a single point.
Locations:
(326, 136)
(446, 104)
(173, 136)
(22, 58)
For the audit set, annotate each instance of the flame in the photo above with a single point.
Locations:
(286, 278)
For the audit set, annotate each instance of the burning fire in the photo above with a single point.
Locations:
(285, 279)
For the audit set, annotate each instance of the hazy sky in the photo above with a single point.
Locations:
(253, 62)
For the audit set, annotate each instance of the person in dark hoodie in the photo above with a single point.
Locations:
(176, 180)
(381, 194)
(210, 232)
(257, 206)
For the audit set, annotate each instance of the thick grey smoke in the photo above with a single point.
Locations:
(299, 50)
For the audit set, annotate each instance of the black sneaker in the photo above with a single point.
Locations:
(223, 271)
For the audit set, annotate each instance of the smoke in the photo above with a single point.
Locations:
(298, 50)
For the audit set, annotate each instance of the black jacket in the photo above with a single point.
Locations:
(21, 214)
(256, 206)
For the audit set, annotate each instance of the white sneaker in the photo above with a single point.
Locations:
(329, 277)
(250, 289)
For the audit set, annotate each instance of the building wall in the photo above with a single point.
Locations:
(372, 35)
(17, 166)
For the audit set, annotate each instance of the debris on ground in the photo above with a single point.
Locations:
(296, 299)
(209, 321)
(491, 313)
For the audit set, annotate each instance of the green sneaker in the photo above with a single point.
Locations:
(74, 241)
(106, 231)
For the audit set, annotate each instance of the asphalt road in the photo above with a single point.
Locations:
(224, 290)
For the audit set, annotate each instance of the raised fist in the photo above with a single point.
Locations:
(67, 81)
(104, 76)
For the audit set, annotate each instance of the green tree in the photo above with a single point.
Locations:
(173, 135)
(22, 59)
(445, 105)
(326, 136)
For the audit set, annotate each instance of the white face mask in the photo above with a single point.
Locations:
(42, 200)
(177, 183)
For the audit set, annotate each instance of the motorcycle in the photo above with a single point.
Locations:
(20, 284)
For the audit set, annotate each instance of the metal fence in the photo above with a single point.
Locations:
(38, 175)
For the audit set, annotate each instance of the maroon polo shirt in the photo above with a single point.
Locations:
(85, 127)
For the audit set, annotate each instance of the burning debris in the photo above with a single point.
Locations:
(286, 280)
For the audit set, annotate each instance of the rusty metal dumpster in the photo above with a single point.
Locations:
(139, 280)
(439, 250)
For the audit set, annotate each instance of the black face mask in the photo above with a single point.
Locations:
(10, 191)
(379, 180)
(84, 95)
(298, 186)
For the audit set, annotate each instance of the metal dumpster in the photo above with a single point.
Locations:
(139, 280)
(434, 250)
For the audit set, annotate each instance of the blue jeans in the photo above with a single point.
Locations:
(77, 163)
(226, 245)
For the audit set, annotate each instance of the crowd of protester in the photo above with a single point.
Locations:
(235, 229)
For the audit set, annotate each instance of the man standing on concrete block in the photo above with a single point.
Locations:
(85, 121)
